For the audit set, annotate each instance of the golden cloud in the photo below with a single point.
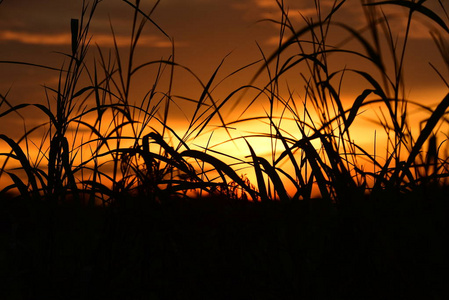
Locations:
(65, 39)
(35, 38)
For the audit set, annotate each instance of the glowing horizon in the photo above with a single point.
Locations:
(201, 41)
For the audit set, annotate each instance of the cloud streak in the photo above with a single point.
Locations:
(62, 39)
(35, 38)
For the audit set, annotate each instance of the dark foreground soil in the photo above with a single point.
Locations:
(383, 247)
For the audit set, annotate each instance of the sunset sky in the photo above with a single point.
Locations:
(204, 32)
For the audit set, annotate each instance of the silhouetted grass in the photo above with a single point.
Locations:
(147, 215)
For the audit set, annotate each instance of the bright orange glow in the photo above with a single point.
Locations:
(162, 93)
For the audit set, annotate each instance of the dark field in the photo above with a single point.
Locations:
(387, 246)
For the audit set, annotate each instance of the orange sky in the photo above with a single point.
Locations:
(204, 31)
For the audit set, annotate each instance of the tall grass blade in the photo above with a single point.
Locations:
(206, 94)
(432, 158)
(29, 64)
(23, 161)
(259, 176)
(278, 185)
(74, 23)
(355, 108)
(425, 133)
(147, 16)
(373, 55)
(68, 168)
(313, 158)
(342, 182)
(175, 157)
(288, 152)
(419, 7)
(221, 167)
(18, 183)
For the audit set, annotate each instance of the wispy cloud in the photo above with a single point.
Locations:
(35, 38)
(65, 39)
(299, 9)
(124, 41)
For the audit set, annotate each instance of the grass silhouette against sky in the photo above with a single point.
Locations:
(133, 133)
(335, 65)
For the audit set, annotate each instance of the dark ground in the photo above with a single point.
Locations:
(385, 247)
